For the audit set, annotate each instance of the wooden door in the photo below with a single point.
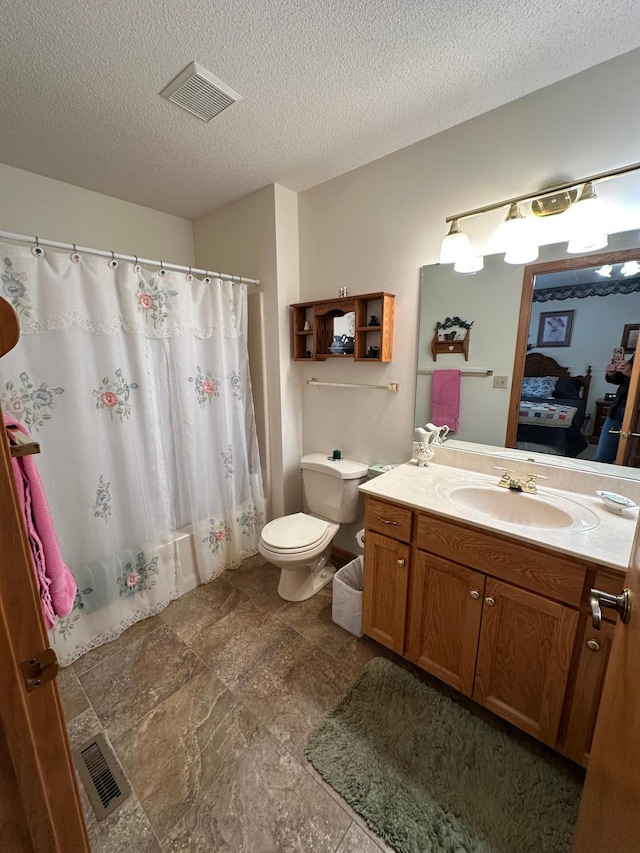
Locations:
(526, 643)
(445, 609)
(608, 818)
(629, 445)
(39, 802)
(384, 603)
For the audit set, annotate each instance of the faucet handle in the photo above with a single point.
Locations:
(506, 478)
(531, 484)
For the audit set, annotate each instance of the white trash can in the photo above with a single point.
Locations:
(347, 597)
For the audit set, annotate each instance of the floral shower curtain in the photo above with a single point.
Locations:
(136, 385)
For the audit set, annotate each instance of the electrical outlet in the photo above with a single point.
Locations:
(500, 381)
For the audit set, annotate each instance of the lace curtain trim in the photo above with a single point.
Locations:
(74, 318)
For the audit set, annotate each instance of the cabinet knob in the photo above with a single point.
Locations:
(401, 563)
(594, 645)
(489, 601)
(474, 594)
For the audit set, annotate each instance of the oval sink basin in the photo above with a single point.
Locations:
(550, 512)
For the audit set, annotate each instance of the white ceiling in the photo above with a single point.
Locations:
(328, 85)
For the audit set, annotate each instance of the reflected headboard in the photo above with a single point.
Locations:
(537, 364)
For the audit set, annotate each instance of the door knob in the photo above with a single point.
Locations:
(620, 603)
(490, 601)
(401, 563)
(474, 594)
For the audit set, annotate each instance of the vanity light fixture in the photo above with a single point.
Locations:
(515, 234)
(587, 224)
(455, 245)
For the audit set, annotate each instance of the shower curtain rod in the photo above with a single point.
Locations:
(54, 244)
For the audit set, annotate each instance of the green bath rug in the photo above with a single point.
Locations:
(428, 776)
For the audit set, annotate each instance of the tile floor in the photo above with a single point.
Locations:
(208, 707)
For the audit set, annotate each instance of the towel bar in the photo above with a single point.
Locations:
(21, 444)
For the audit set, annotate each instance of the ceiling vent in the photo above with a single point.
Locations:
(200, 93)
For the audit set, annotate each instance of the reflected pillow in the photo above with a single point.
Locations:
(567, 386)
(538, 386)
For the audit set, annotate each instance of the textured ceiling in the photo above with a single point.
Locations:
(328, 85)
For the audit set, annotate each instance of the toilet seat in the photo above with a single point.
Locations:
(296, 533)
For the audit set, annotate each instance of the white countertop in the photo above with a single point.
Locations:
(608, 542)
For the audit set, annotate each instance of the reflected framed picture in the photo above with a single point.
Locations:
(555, 329)
(630, 337)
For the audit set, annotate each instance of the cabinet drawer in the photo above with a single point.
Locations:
(389, 519)
(552, 575)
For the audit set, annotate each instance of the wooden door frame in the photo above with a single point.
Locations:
(524, 321)
(33, 723)
(607, 820)
(630, 410)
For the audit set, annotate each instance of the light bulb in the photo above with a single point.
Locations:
(587, 242)
(516, 236)
(630, 268)
(455, 245)
(586, 223)
(469, 264)
(605, 271)
(523, 254)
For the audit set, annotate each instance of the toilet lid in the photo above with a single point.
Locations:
(294, 531)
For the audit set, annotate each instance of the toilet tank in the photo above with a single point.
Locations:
(331, 486)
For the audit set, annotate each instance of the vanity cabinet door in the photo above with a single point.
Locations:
(384, 601)
(587, 690)
(526, 644)
(445, 610)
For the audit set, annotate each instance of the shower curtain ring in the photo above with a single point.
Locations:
(37, 250)
(75, 257)
(136, 266)
(162, 271)
(113, 263)
(189, 275)
(207, 278)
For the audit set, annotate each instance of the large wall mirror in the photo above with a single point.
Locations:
(558, 321)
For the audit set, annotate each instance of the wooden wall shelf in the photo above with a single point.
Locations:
(314, 344)
(446, 347)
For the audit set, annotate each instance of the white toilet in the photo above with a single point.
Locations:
(300, 544)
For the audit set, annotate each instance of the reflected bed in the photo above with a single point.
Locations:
(552, 408)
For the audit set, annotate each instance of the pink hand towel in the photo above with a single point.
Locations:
(56, 584)
(445, 398)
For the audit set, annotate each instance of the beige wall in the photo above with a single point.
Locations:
(372, 229)
(257, 237)
(34, 205)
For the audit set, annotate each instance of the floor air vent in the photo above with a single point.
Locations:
(200, 93)
(101, 776)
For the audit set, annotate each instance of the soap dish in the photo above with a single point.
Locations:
(615, 503)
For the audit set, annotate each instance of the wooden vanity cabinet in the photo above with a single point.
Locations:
(445, 611)
(387, 555)
(503, 623)
(590, 670)
(524, 656)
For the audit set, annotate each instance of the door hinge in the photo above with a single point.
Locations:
(39, 669)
